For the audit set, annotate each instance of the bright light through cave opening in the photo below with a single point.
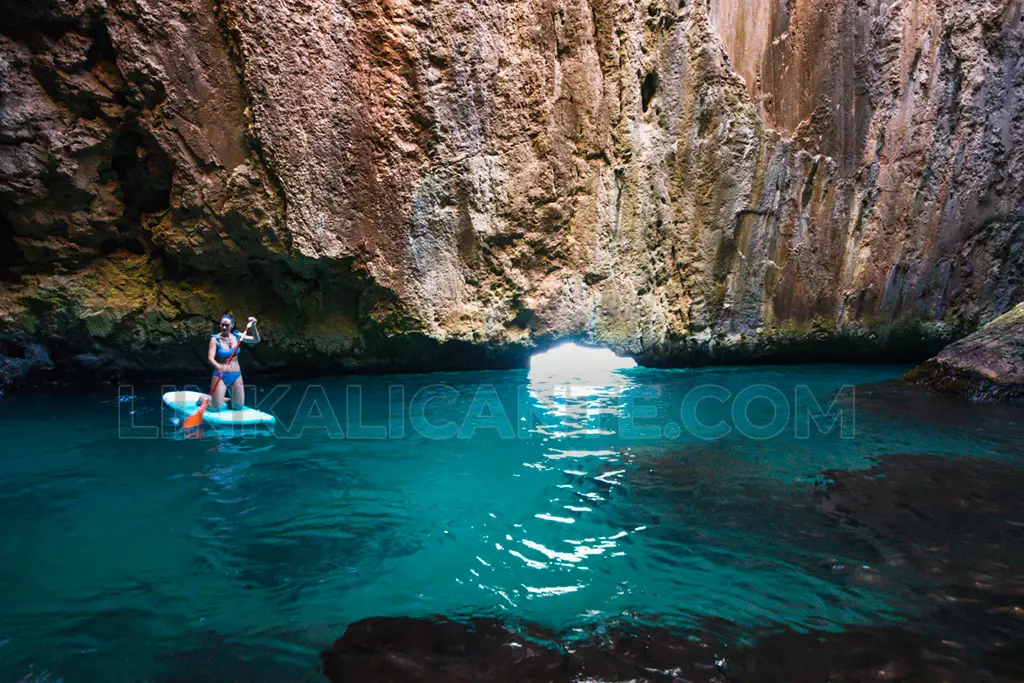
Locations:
(579, 385)
(572, 363)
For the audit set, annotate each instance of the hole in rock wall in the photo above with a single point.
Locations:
(9, 349)
(648, 88)
(102, 48)
(144, 173)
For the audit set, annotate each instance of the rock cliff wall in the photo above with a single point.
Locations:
(438, 183)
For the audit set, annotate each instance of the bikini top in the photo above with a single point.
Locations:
(222, 353)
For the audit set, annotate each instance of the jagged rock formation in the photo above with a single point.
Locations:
(985, 366)
(442, 184)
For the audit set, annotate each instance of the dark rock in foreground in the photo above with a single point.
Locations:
(402, 650)
(985, 366)
(387, 650)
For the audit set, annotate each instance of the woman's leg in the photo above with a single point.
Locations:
(218, 395)
(238, 394)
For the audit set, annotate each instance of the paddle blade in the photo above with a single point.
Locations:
(196, 418)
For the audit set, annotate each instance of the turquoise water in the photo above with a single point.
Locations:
(133, 552)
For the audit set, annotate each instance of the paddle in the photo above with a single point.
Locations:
(196, 418)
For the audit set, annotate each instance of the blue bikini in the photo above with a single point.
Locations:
(223, 354)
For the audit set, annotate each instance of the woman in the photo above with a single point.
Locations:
(222, 345)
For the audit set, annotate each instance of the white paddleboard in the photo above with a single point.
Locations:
(187, 402)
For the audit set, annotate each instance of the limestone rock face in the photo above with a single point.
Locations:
(409, 184)
(985, 366)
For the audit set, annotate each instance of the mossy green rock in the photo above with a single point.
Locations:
(985, 366)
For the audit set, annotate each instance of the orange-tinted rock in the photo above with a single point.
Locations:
(656, 177)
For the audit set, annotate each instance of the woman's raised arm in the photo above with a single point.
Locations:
(253, 338)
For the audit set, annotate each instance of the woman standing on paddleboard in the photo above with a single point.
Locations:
(222, 345)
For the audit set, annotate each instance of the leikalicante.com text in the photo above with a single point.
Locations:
(439, 411)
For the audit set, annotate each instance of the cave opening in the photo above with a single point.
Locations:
(102, 48)
(144, 172)
(10, 349)
(571, 362)
(574, 387)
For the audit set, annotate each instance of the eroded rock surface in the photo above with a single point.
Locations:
(450, 184)
(985, 366)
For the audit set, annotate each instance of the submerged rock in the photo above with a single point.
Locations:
(956, 521)
(985, 366)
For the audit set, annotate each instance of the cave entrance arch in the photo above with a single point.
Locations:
(577, 388)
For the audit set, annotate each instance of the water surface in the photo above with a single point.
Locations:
(534, 499)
